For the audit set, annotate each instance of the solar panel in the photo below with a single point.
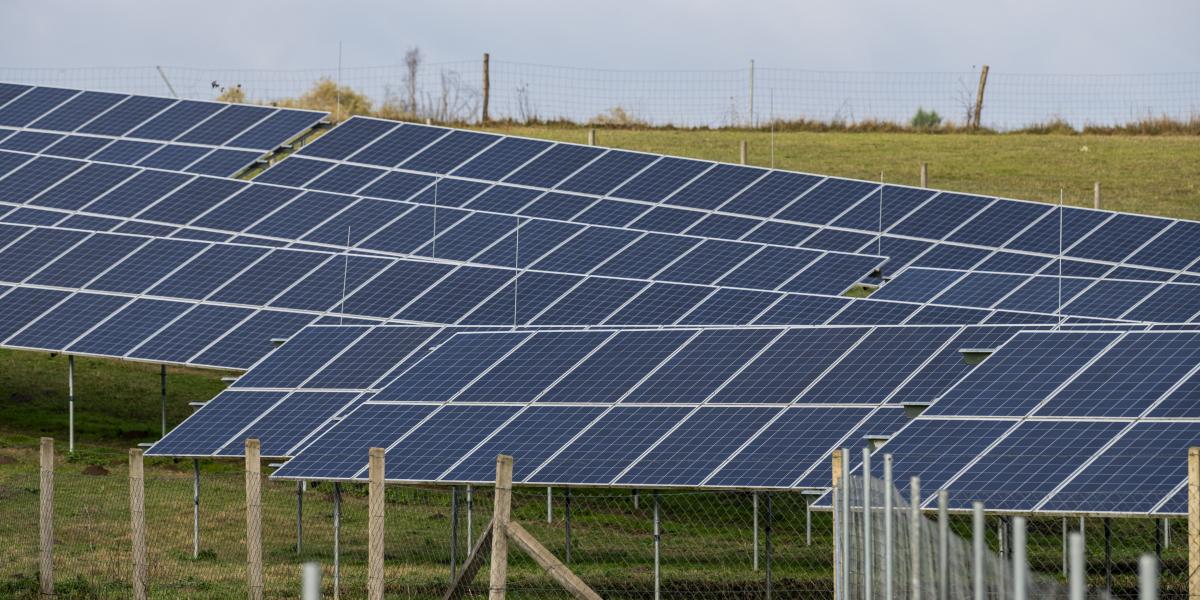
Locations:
(788, 366)
(690, 452)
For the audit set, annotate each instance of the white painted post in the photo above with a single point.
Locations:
(914, 536)
(657, 551)
(1020, 560)
(889, 535)
(868, 546)
(943, 575)
(312, 581)
(979, 544)
(845, 522)
(754, 529)
(1148, 577)
(337, 540)
(1077, 582)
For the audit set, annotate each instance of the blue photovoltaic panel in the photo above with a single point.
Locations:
(1044, 294)
(21, 305)
(11, 160)
(948, 366)
(85, 261)
(1170, 304)
(1182, 402)
(503, 199)
(129, 327)
(413, 230)
(191, 333)
(347, 138)
(935, 450)
(397, 145)
(8, 91)
(137, 193)
(393, 288)
(875, 367)
(355, 223)
(799, 309)
(30, 253)
(999, 222)
(1134, 474)
(453, 297)
(646, 256)
(1001, 317)
(501, 158)
(1029, 463)
(371, 357)
(34, 177)
(180, 117)
(90, 223)
(771, 193)
(299, 358)
(445, 192)
(660, 303)
(277, 129)
(208, 271)
(608, 373)
(295, 171)
(450, 151)
(20, 111)
(520, 302)
(83, 186)
(530, 438)
(941, 215)
(1135, 372)
(556, 205)
(842, 241)
(250, 340)
(726, 227)
(67, 321)
(191, 200)
(1076, 268)
(699, 445)
(33, 216)
(1022, 374)
(917, 285)
(607, 172)
(788, 447)
(552, 166)
(269, 277)
(525, 372)
(1109, 299)
(126, 152)
(897, 203)
(1174, 249)
(950, 257)
(981, 289)
(123, 117)
(789, 366)
(832, 274)
(874, 312)
(777, 232)
(207, 430)
(900, 252)
(288, 422)
(223, 163)
(1043, 236)
(730, 307)
(300, 215)
(232, 120)
(1137, 273)
(471, 236)
(435, 445)
(585, 251)
(708, 262)
(143, 268)
(341, 451)
(667, 220)
(77, 146)
(769, 268)
(609, 445)
(830, 199)
(716, 186)
(706, 362)
(344, 179)
(453, 365)
(661, 179)
(30, 141)
(1118, 237)
(591, 302)
(613, 213)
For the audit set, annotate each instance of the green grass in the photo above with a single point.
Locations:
(1158, 175)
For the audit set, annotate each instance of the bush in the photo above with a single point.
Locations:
(926, 119)
(327, 96)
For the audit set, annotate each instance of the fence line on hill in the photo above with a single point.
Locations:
(750, 96)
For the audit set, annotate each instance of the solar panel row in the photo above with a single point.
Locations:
(642, 191)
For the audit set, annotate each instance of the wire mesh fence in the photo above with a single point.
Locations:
(710, 544)
(745, 97)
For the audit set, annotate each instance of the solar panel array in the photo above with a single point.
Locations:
(1147, 301)
(1064, 422)
(210, 138)
(587, 184)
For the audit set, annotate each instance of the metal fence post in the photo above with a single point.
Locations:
(943, 574)
(312, 581)
(453, 533)
(835, 522)
(1147, 577)
(195, 508)
(470, 511)
(254, 574)
(567, 525)
(162, 376)
(1108, 555)
(767, 532)
(868, 547)
(845, 524)
(299, 517)
(889, 535)
(979, 545)
(337, 540)
(754, 529)
(914, 536)
(137, 517)
(657, 551)
(1020, 563)
(1077, 580)
(71, 404)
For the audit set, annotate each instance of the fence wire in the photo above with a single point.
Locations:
(745, 97)
(711, 544)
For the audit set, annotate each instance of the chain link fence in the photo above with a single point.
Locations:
(745, 97)
(711, 544)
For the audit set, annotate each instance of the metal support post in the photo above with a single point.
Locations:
(453, 533)
(657, 551)
(767, 532)
(979, 546)
(299, 517)
(1108, 555)
(943, 558)
(195, 508)
(162, 377)
(889, 535)
(1077, 580)
(71, 404)
(567, 525)
(470, 515)
(337, 539)
(754, 530)
(1020, 562)
(868, 547)
(914, 536)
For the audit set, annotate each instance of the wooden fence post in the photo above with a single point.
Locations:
(46, 522)
(375, 526)
(592, 136)
(1193, 487)
(837, 485)
(924, 174)
(742, 151)
(137, 517)
(983, 73)
(1096, 195)
(498, 577)
(487, 88)
(254, 576)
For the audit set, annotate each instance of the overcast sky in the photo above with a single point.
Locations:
(1028, 36)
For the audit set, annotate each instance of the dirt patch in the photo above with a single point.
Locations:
(96, 470)
(7, 460)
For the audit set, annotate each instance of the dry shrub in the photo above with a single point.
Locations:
(341, 103)
(617, 117)
(233, 94)
(1162, 125)
(1055, 126)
